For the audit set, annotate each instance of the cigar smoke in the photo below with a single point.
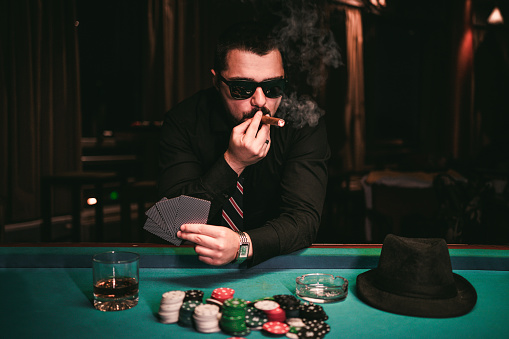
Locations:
(309, 48)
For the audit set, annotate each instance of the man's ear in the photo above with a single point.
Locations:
(215, 81)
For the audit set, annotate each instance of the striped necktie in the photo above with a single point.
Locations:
(233, 212)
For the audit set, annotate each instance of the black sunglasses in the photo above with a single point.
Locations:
(244, 89)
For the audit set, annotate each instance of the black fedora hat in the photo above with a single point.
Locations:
(414, 277)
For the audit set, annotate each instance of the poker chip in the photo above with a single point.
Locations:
(295, 322)
(309, 332)
(310, 311)
(286, 300)
(321, 325)
(266, 305)
(314, 329)
(242, 333)
(170, 306)
(255, 318)
(289, 303)
(214, 302)
(206, 318)
(233, 319)
(276, 314)
(186, 313)
(223, 293)
(196, 295)
(276, 327)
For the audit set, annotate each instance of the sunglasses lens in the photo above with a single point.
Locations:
(241, 92)
(273, 91)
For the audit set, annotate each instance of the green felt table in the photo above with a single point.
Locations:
(47, 292)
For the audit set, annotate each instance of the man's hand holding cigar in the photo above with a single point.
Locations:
(249, 142)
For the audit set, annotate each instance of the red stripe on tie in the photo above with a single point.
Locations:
(239, 186)
(229, 222)
(237, 208)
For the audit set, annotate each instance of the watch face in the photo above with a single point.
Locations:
(243, 250)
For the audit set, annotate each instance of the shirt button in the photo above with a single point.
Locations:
(226, 196)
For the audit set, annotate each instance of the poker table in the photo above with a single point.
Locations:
(47, 291)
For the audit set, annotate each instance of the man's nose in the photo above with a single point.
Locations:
(258, 98)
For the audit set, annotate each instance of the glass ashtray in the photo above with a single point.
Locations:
(321, 287)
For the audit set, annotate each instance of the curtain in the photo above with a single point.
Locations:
(176, 55)
(465, 132)
(355, 148)
(40, 127)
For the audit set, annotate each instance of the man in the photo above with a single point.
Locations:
(215, 138)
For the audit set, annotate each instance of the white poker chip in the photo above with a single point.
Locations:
(295, 322)
(266, 305)
(206, 310)
(169, 319)
(169, 307)
(172, 297)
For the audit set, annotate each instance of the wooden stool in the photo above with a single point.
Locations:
(75, 181)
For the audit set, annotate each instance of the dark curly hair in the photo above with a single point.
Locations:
(252, 37)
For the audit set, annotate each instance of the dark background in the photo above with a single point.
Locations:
(415, 97)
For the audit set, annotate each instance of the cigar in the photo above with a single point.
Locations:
(273, 121)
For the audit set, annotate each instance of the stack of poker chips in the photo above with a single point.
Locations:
(206, 318)
(295, 326)
(233, 319)
(289, 303)
(315, 329)
(311, 311)
(222, 294)
(186, 312)
(272, 309)
(276, 328)
(170, 306)
(255, 318)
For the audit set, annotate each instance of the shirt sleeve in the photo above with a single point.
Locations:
(182, 170)
(303, 188)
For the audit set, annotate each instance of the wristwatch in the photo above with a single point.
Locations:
(243, 248)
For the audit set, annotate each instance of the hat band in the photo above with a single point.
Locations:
(414, 290)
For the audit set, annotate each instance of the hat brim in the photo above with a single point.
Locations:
(461, 304)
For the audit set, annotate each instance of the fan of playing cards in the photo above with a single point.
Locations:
(167, 215)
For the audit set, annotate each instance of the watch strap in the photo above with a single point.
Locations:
(243, 248)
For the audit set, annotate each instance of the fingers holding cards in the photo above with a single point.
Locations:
(215, 245)
(167, 215)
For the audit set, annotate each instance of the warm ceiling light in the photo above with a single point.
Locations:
(495, 17)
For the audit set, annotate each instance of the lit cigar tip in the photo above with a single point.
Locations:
(273, 121)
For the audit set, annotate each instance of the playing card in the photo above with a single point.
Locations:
(155, 229)
(167, 215)
(191, 211)
(167, 209)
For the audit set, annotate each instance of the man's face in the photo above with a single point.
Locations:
(242, 65)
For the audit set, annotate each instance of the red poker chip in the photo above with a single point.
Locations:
(277, 310)
(276, 327)
(223, 293)
(224, 290)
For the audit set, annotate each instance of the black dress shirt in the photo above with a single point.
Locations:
(283, 193)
